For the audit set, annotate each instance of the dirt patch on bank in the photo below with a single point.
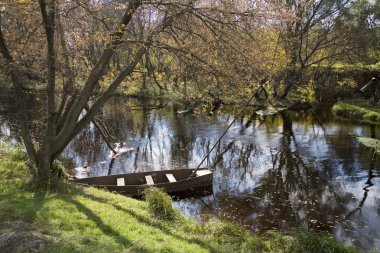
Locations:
(19, 236)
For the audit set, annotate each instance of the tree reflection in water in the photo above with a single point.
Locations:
(301, 188)
(277, 172)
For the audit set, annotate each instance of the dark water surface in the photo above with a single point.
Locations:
(275, 172)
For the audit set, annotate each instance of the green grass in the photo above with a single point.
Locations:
(93, 220)
(160, 204)
(360, 110)
(14, 173)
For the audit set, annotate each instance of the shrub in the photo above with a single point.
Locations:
(346, 87)
(357, 110)
(318, 243)
(226, 232)
(15, 173)
(372, 117)
(279, 242)
(295, 241)
(306, 93)
(160, 204)
(254, 244)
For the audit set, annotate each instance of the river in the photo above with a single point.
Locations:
(292, 169)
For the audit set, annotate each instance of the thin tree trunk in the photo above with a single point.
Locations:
(22, 115)
(67, 70)
(45, 155)
(96, 73)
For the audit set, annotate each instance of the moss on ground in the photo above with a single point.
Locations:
(359, 110)
(75, 219)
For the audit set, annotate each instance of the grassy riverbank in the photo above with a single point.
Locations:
(359, 110)
(74, 219)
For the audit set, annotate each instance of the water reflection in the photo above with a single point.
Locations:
(8, 129)
(273, 172)
(317, 176)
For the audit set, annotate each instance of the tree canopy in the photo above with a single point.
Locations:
(82, 51)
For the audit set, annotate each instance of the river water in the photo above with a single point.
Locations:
(292, 169)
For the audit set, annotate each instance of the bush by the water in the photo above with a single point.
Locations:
(314, 243)
(359, 110)
(160, 204)
(15, 173)
(294, 241)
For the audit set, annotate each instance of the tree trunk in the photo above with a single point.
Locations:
(64, 124)
(290, 80)
(48, 10)
(44, 170)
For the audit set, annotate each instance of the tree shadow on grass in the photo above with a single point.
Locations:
(163, 228)
(156, 224)
(20, 230)
(106, 229)
(21, 206)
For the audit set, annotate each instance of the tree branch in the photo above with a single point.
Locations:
(48, 16)
(22, 115)
(96, 73)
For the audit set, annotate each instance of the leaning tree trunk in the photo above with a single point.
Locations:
(64, 124)
(290, 81)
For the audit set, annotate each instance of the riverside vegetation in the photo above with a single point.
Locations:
(358, 110)
(69, 218)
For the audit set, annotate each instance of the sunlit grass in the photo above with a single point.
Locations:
(15, 174)
(92, 220)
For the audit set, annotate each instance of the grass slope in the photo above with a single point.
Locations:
(359, 110)
(92, 220)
